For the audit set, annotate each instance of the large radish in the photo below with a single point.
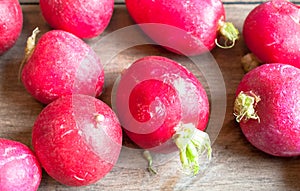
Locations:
(85, 19)
(77, 138)
(271, 31)
(188, 27)
(60, 64)
(163, 108)
(267, 108)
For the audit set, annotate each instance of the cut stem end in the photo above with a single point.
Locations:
(229, 32)
(192, 143)
(244, 106)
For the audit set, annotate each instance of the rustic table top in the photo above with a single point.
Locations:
(236, 165)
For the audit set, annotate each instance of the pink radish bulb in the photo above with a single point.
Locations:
(162, 105)
(271, 31)
(85, 19)
(267, 108)
(77, 139)
(201, 21)
(19, 167)
(61, 64)
(11, 22)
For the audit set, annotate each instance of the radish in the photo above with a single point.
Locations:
(77, 139)
(85, 19)
(267, 108)
(11, 22)
(271, 31)
(60, 64)
(161, 105)
(19, 167)
(188, 27)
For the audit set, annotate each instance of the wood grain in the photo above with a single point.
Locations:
(236, 165)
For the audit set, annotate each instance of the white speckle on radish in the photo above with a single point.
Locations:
(99, 118)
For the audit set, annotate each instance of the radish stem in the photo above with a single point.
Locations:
(229, 32)
(29, 49)
(244, 106)
(191, 143)
(148, 157)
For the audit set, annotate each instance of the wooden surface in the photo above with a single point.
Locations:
(236, 165)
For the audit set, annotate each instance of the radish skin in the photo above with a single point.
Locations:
(60, 64)
(157, 113)
(267, 108)
(85, 19)
(11, 23)
(271, 32)
(84, 137)
(188, 27)
(19, 168)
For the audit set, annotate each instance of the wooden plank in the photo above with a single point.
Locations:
(236, 164)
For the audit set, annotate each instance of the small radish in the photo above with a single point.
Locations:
(60, 64)
(85, 19)
(271, 31)
(19, 167)
(11, 22)
(267, 108)
(188, 27)
(162, 105)
(77, 139)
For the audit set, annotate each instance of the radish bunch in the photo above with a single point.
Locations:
(161, 105)
(82, 133)
(267, 103)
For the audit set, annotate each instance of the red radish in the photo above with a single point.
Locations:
(19, 167)
(61, 64)
(268, 108)
(163, 105)
(199, 22)
(11, 22)
(77, 139)
(271, 31)
(85, 19)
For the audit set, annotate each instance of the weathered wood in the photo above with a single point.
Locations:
(236, 164)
